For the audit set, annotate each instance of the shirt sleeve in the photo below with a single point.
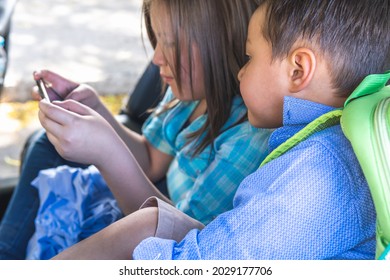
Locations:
(238, 154)
(314, 208)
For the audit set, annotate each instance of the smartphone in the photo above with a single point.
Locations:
(42, 90)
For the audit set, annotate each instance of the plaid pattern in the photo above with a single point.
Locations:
(204, 186)
(313, 202)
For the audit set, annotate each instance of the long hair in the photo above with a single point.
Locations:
(218, 29)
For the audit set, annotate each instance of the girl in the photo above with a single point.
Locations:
(311, 201)
(199, 136)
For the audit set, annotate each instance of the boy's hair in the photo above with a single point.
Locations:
(353, 36)
(219, 30)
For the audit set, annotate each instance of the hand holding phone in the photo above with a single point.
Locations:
(42, 90)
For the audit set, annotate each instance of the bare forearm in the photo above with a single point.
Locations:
(126, 179)
(136, 143)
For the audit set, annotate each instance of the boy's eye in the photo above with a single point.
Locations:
(247, 57)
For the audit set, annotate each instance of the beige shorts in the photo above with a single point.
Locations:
(172, 223)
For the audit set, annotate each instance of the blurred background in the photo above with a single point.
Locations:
(90, 41)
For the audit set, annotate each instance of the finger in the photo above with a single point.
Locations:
(56, 141)
(77, 94)
(75, 107)
(52, 127)
(53, 78)
(53, 139)
(57, 80)
(60, 85)
(50, 112)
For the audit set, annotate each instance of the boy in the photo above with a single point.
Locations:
(313, 202)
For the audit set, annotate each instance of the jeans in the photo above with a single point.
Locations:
(17, 225)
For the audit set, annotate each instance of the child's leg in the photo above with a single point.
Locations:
(116, 241)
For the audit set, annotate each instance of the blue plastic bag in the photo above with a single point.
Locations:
(74, 204)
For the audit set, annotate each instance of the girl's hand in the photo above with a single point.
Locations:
(78, 133)
(60, 88)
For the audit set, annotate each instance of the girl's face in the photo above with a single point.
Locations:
(165, 58)
(261, 83)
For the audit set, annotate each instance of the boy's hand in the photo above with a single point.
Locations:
(78, 133)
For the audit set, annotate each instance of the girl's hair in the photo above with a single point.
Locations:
(353, 36)
(218, 29)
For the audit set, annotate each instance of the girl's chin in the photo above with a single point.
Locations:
(184, 96)
(181, 96)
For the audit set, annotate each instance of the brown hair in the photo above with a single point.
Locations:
(354, 36)
(219, 30)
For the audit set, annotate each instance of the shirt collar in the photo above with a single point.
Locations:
(297, 113)
(301, 112)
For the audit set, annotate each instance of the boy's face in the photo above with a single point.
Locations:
(261, 79)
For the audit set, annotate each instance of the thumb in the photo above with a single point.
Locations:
(75, 107)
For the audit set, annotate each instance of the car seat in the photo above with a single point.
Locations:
(146, 95)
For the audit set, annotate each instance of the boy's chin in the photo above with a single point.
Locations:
(254, 122)
(262, 122)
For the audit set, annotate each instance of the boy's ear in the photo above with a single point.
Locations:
(302, 65)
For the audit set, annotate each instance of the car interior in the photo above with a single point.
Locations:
(6, 11)
(365, 121)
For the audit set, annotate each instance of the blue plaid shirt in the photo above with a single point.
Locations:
(204, 186)
(311, 203)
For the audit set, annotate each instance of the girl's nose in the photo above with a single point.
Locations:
(158, 57)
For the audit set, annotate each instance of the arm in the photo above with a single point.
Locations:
(117, 241)
(153, 162)
(69, 127)
(303, 205)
